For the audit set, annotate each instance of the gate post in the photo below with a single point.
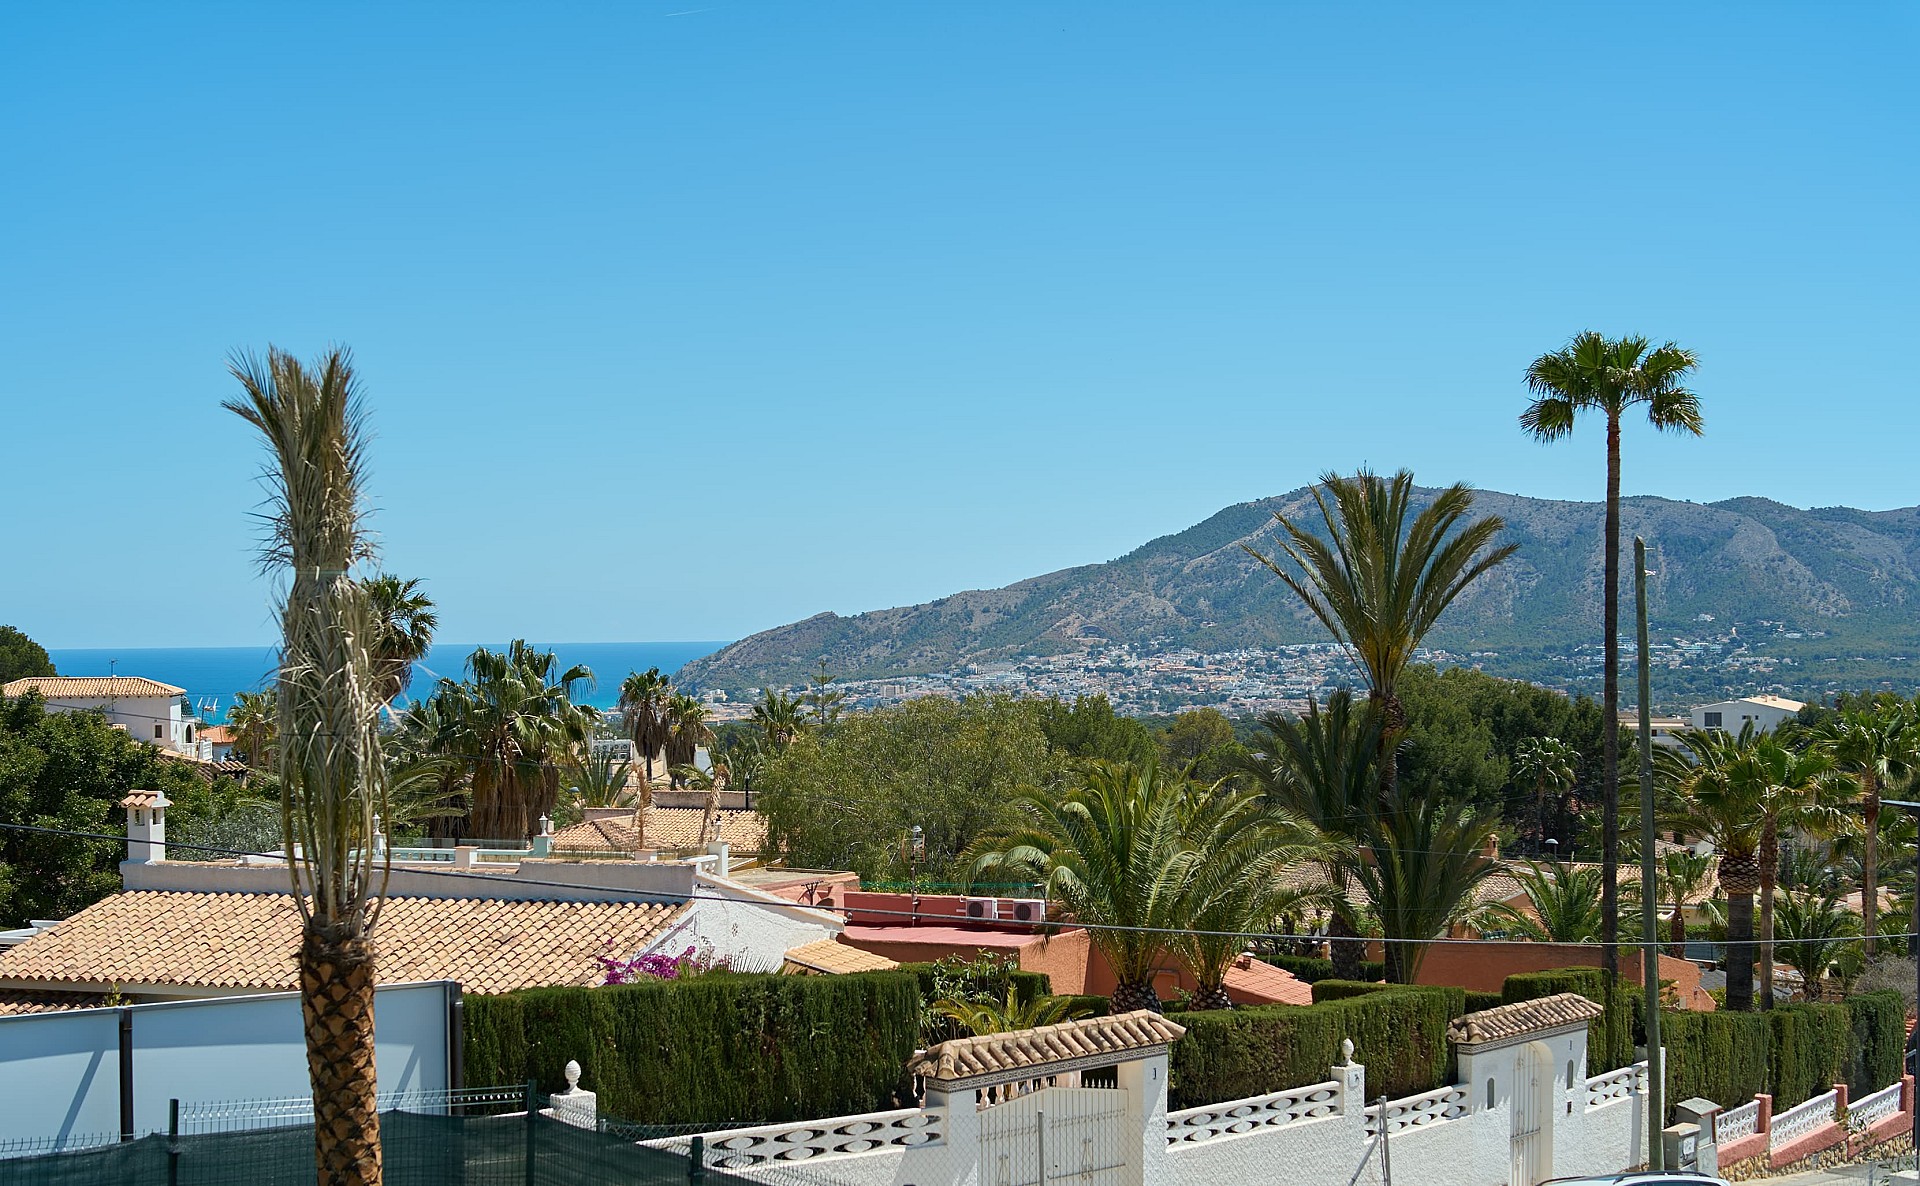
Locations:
(1145, 1082)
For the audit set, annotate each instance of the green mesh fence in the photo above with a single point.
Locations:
(417, 1151)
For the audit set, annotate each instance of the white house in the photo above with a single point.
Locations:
(1763, 712)
(147, 709)
(1666, 730)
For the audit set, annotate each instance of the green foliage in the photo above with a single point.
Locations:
(1202, 739)
(983, 979)
(1718, 1056)
(1476, 1001)
(1089, 728)
(1794, 1052)
(1610, 1035)
(1087, 1006)
(1878, 1021)
(21, 657)
(713, 1049)
(847, 798)
(1808, 1051)
(1400, 1033)
(1313, 969)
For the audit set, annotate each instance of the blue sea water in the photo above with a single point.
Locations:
(215, 674)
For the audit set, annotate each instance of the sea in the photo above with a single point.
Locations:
(213, 676)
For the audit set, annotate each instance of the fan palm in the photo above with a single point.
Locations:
(687, 731)
(1610, 376)
(643, 707)
(252, 718)
(1384, 575)
(1878, 750)
(1563, 905)
(1112, 846)
(328, 753)
(1814, 934)
(779, 717)
(509, 725)
(1684, 877)
(404, 623)
(1547, 765)
(994, 1017)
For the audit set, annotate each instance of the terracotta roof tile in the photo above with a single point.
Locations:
(1252, 981)
(834, 959)
(89, 687)
(145, 798)
(1522, 1018)
(1035, 1049)
(17, 1001)
(247, 941)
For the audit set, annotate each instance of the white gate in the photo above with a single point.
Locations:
(1532, 1106)
(1067, 1135)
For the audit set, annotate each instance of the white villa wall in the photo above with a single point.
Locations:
(1736, 713)
(139, 715)
(752, 931)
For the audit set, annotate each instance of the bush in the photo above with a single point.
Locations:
(1086, 1006)
(1809, 1051)
(1313, 969)
(1477, 1001)
(716, 1048)
(983, 979)
(1609, 1036)
(1723, 1057)
(1399, 1032)
(1879, 1024)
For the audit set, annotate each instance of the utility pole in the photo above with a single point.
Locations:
(1649, 900)
(1913, 941)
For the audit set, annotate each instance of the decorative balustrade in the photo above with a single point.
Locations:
(1871, 1110)
(1191, 1126)
(1616, 1085)
(743, 1148)
(1735, 1123)
(1795, 1123)
(1417, 1111)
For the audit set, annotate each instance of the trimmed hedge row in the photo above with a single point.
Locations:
(1314, 969)
(1719, 1056)
(1878, 1021)
(1793, 1052)
(1477, 1001)
(1610, 1036)
(1400, 1033)
(716, 1048)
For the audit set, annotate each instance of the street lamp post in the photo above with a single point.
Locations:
(1649, 907)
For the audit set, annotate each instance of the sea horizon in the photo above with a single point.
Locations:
(216, 675)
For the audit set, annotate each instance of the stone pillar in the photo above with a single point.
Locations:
(463, 855)
(956, 1159)
(723, 864)
(1353, 1089)
(543, 843)
(575, 1105)
(1145, 1082)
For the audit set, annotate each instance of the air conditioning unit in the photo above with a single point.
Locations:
(1025, 909)
(983, 908)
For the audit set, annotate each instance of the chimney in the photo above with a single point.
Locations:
(146, 826)
(724, 866)
(1491, 849)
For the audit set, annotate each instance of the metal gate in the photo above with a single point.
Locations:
(1532, 1106)
(1067, 1135)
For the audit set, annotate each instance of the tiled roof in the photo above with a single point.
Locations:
(1772, 701)
(90, 687)
(667, 827)
(1248, 978)
(834, 959)
(143, 798)
(218, 734)
(247, 941)
(14, 1002)
(1523, 1018)
(1034, 1050)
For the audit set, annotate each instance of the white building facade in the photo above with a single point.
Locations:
(1764, 713)
(147, 709)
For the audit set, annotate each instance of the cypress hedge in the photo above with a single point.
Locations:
(1477, 1001)
(1794, 1052)
(1399, 1032)
(1610, 1036)
(716, 1048)
(1808, 1052)
(1721, 1056)
(1879, 1024)
(1314, 969)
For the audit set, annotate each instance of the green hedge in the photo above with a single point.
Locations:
(1313, 969)
(1809, 1051)
(1610, 1036)
(716, 1048)
(1722, 1056)
(1477, 1001)
(1026, 985)
(1879, 1041)
(1089, 1006)
(1400, 1033)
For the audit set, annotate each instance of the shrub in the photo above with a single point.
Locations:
(1610, 1036)
(982, 979)
(1720, 1056)
(1313, 969)
(1088, 1006)
(1477, 1001)
(1399, 1032)
(717, 1048)
(1879, 1024)
(1809, 1051)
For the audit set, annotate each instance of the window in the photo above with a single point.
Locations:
(1712, 720)
(1569, 1074)
(1489, 1093)
(156, 732)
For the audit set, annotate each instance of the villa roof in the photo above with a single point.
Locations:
(1772, 701)
(835, 959)
(145, 798)
(1091, 1041)
(667, 827)
(147, 940)
(14, 1002)
(218, 734)
(90, 687)
(1523, 1018)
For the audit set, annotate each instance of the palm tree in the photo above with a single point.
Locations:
(601, 778)
(510, 724)
(643, 707)
(712, 780)
(1593, 373)
(1425, 856)
(1547, 765)
(747, 760)
(1563, 905)
(779, 717)
(328, 751)
(404, 623)
(1708, 795)
(992, 1017)
(1813, 933)
(687, 731)
(1796, 789)
(1112, 846)
(1878, 750)
(253, 719)
(1684, 877)
(1378, 582)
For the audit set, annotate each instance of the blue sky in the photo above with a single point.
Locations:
(684, 319)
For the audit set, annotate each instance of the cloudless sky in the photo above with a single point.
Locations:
(684, 319)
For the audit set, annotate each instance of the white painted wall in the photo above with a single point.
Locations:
(1736, 713)
(752, 931)
(139, 715)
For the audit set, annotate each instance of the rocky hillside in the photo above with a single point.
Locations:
(1848, 578)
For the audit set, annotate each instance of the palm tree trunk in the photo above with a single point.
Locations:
(1343, 942)
(1769, 881)
(1870, 865)
(1610, 721)
(336, 1004)
(1740, 952)
(1677, 932)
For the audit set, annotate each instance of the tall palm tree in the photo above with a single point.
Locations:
(779, 717)
(643, 707)
(712, 780)
(1797, 789)
(1547, 765)
(253, 718)
(1425, 856)
(1878, 750)
(1594, 373)
(1684, 877)
(687, 731)
(1563, 905)
(1383, 575)
(1706, 793)
(404, 623)
(512, 722)
(328, 752)
(1112, 846)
